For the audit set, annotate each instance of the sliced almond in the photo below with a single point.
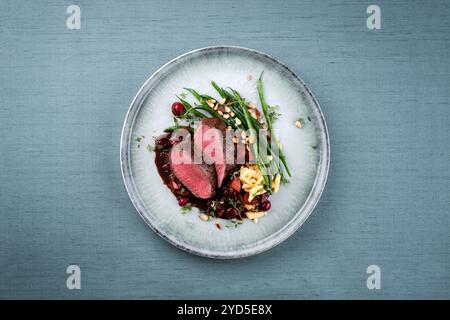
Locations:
(276, 183)
(298, 124)
(220, 112)
(227, 109)
(226, 116)
(232, 114)
(249, 206)
(251, 105)
(243, 135)
(222, 101)
(254, 215)
(253, 114)
(203, 217)
(216, 107)
(238, 122)
(235, 140)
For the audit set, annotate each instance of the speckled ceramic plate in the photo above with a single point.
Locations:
(307, 150)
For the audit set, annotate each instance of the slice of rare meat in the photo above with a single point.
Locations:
(199, 178)
(210, 137)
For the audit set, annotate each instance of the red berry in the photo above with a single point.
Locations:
(247, 196)
(178, 108)
(230, 193)
(265, 206)
(182, 201)
(262, 198)
(232, 213)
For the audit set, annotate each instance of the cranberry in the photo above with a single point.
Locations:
(182, 201)
(230, 193)
(262, 198)
(178, 108)
(265, 206)
(220, 210)
(246, 197)
(232, 213)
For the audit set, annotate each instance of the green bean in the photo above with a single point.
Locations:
(269, 123)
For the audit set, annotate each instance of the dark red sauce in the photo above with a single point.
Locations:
(221, 204)
(226, 204)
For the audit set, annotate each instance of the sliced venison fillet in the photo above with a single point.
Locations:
(199, 178)
(210, 138)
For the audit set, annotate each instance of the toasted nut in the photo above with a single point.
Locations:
(249, 207)
(232, 114)
(226, 116)
(276, 183)
(251, 105)
(216, 107)
(253, 114)
(227, 109)
(203, 217)
(235, 140)
(244, 141)
(222, 101)
(254, 215)
(220, 112)
(238, 122)
(298, 124)
(212, 101)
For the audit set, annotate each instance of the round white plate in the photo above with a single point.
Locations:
(307, 150)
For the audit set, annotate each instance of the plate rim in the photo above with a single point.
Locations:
(266, 243)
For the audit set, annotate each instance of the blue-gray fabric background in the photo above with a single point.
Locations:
(64, 95)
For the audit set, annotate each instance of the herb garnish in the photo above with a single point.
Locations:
(273, 112)
(233, 223)
(183, 95)
(139, 138)
(185, 209)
